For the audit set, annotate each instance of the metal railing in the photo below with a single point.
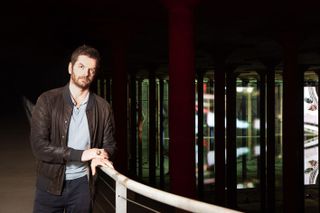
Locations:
(123, 184)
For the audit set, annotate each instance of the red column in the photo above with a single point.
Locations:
(219, 105)
(119, 98)
(181, 99)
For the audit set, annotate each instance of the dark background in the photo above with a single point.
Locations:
(37, 37)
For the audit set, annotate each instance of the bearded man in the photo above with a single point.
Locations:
(72, 132)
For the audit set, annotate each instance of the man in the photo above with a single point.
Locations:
(70, 128)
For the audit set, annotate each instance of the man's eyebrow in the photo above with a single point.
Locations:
(91, 68)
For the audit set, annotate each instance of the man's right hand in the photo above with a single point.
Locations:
(90, 154)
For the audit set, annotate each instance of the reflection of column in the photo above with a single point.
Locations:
(152, 127)
(181, 98)
(280, 88)
(231, 140)
(244, 132)
(161, 130)
(293, 145)
(133, 126)
(262, 138)
(219, 133)
(271, 140)
(200, 133)
(140, 128)
(250, 143)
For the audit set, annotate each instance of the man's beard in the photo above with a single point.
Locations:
(81, 82)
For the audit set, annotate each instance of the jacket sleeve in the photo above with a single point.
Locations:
(109, 143)
(41, 145)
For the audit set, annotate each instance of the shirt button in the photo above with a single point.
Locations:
(65, 121)
(62, 136)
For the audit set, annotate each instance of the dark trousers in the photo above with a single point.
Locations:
(75, 198)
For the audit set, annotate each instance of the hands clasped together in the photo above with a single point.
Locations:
(98, 157)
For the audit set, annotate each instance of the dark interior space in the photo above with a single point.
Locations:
(37, 38)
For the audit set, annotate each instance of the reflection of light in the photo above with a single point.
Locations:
(257, 150)
(210, 121)
(240, 186)
(256, 123)
(249, 89)
(207, 96)
(245, 185)
(242, 124)
(279, 116)
(239, 89)
(196, 124)
(210, 155)
(245, 89)
(250, 185)
(242, 151)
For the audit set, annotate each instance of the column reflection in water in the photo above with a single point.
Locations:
(278, 134)
(208, 132)
(143, 129)
(248, 126)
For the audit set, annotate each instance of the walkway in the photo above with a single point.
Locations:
(17, 165)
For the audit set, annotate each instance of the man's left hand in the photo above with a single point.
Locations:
(99, 162)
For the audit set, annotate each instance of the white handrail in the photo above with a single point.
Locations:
(159, 195)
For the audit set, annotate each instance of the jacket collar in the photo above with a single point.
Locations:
(67, 97)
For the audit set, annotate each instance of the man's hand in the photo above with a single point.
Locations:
(90, 154)
(99, 162)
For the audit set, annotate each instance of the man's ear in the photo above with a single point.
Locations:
(70, 68)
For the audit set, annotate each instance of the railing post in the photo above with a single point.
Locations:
(121, 198)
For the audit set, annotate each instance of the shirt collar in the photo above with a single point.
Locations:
(85, 100)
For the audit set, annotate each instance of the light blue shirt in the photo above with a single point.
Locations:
(79, 139)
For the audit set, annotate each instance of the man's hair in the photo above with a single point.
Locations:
(86, 50)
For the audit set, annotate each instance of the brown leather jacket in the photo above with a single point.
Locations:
(49, 132)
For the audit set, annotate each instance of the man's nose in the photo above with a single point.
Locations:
(86, 72)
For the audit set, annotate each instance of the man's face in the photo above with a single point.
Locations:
(83, 71)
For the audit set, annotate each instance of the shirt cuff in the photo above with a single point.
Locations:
(75, 155)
